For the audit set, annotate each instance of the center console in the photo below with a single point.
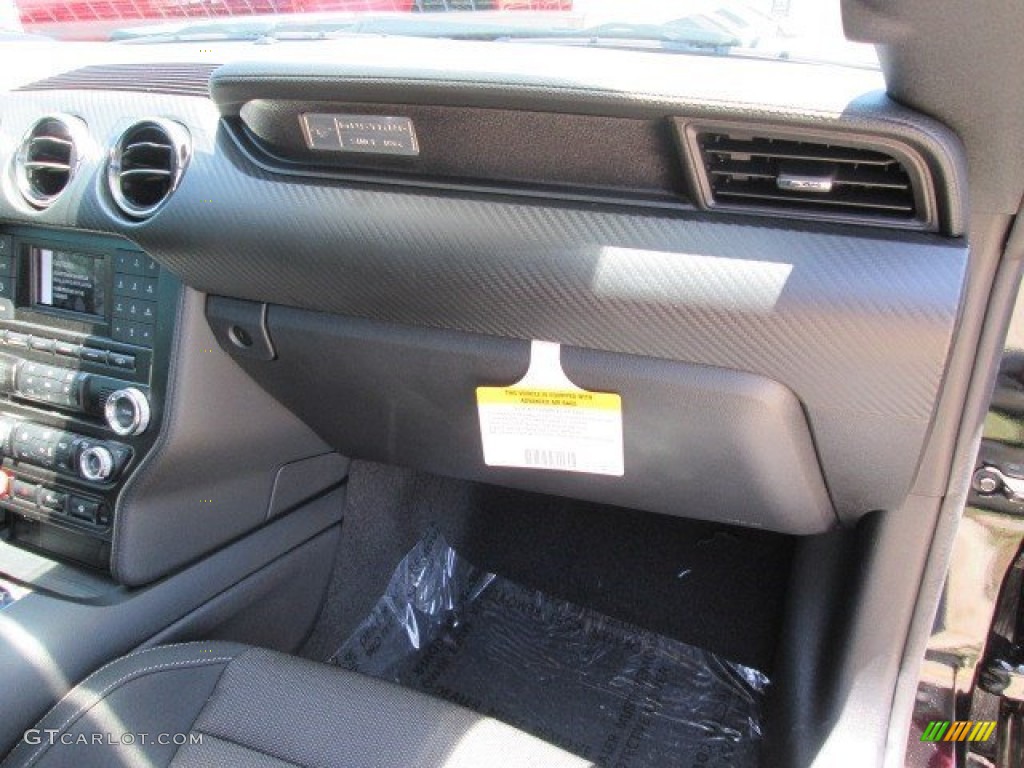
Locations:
(85, 330)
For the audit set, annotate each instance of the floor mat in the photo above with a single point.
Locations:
(603, 689)
(712, 586)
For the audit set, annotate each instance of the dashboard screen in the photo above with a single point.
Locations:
(69, 281)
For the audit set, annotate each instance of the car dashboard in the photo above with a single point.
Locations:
(228, 269)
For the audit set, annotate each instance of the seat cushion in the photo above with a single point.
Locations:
(224, 704)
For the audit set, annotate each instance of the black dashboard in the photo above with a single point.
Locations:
(373, 233)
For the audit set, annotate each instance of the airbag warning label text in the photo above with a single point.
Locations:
(559, 427)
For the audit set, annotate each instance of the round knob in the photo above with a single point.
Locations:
(127, 411)
(95, 463)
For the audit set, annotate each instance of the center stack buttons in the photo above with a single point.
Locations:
(136, 279)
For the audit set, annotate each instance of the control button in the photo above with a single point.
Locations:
(136, 310)
(42, 344)
(135, 286)
(52, 372)
(132, 333)
(52, 499)
(121, 360)
(121, 454)
(128, 262)
(7, 288)
(61, 386)
(103, 515)
(42, 449)
(64, 399)
(17, 339)
(6, 310)
(96, 464)
(6, 265)
(83, 509)
(6, 245)
(23, 441)
(93, 355)
(24, 491)
(135, 263)
(127, 411)
(43, 456)
(63, 454)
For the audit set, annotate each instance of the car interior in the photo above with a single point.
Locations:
(278, 321)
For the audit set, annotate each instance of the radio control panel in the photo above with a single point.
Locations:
(76, 390)
(86, 324)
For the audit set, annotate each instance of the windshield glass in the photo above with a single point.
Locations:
(798, 30)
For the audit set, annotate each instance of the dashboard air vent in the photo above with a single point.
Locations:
(809, 177)
(146, 165)
(47, 159)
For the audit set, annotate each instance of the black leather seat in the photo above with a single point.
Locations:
(224, 704)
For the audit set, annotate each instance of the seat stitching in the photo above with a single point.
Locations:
(216, 686)
(131, 655)
(33, 757)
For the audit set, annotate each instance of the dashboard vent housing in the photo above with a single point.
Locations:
(809, 176)
(47, 159)
(146, 165)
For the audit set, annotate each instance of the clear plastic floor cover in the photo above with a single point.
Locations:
(603, 689)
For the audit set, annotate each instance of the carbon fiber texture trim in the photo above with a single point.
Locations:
(858, 324)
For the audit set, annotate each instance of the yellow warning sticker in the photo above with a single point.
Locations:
(551, 398)
(544, 421)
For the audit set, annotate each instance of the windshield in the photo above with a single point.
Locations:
(798, 30)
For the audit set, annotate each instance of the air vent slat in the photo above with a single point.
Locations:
(767, 174)
(848, 176)
(146, 172)
(47, 159)
(793, 150)
(147, 145)
(37, 140)
(893, 203)
(41, 165)
(146, 165)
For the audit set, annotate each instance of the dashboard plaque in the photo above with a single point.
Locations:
(366, 134)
